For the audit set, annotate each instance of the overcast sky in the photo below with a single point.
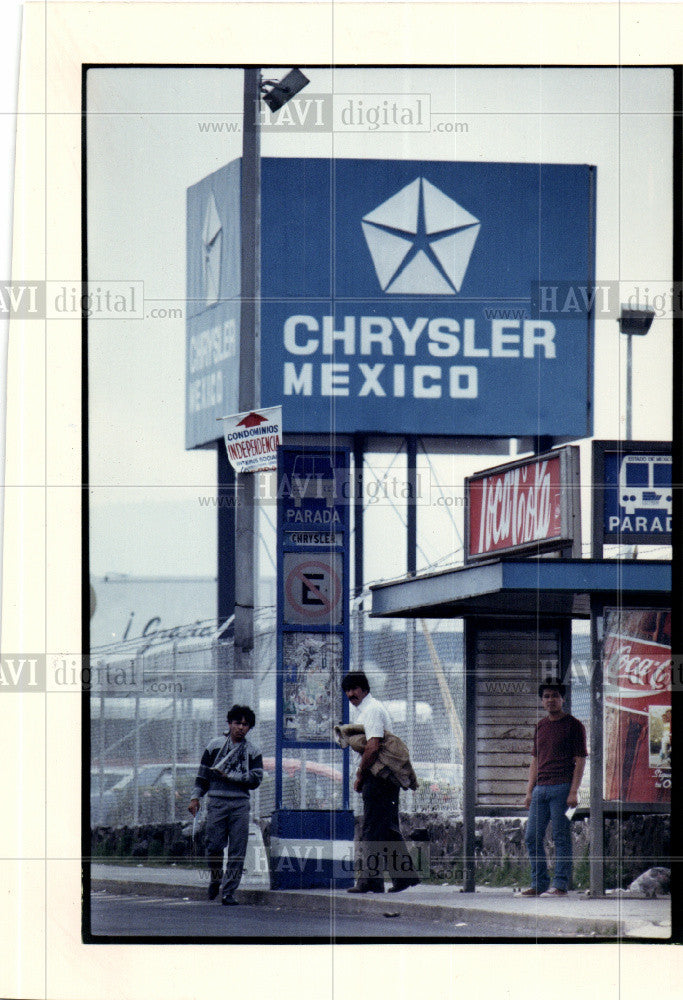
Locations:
(146, 146)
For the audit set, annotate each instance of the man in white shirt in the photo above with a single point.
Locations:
(383, 847)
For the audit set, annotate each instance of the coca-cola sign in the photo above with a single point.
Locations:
(636, 660)
(636, 669)
(527, 506)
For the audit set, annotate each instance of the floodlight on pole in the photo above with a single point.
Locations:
(282, 91)
(632, 323)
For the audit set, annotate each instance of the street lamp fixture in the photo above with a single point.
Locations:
(632, 323)
(283, 90)
(635, 322)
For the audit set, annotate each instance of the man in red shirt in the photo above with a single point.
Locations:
(557, 765)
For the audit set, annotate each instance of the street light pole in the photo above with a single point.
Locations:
(632, 322)
(275, 94)
(249, 369)
(629, 386)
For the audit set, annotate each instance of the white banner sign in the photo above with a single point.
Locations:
(252, 438)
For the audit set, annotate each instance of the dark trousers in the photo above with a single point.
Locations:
(227, 824)
(383, 849)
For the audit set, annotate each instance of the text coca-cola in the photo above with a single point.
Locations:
(516, 507)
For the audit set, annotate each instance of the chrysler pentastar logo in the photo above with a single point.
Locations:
(212, 242)
(420, 241)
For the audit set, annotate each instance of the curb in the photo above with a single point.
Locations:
(316, 902)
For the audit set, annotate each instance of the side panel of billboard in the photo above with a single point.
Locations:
(213, 304)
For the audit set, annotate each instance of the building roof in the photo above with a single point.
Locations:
(524, 587)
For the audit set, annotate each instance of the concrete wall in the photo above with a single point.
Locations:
(632, 845)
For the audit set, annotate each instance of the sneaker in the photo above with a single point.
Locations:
(554, 891)
(531, 892)
(229, 901)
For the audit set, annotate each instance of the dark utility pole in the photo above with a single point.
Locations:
(250, 369)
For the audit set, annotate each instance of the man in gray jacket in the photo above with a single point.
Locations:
(230, 767)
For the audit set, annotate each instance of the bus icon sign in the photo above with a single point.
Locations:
(645, 483)
(633, 493)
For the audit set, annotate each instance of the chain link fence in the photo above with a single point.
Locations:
(148, 732)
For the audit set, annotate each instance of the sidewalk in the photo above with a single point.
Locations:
(576, 915)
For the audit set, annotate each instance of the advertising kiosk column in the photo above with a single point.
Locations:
(312, 840)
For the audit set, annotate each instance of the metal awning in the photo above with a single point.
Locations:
(523, 588)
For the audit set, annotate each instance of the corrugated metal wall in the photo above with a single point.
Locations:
(510, 665)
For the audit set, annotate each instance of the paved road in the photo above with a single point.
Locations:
(123, 916)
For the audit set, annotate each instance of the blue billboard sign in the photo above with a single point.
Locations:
(632, 493)
(399, 296)
(638, 495)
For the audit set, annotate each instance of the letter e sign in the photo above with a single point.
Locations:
(313, 588)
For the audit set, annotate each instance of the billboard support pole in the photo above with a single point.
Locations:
(249, 371)
(358, 555)
(411, 519)
(226, 575)
(597, 836)
(469, 769)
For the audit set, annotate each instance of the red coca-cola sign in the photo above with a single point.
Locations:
(637, 705)
(637, 668)
(526, 506)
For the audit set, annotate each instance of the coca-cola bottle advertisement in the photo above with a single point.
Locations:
(637, 697)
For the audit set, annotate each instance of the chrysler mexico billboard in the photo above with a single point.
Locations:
(398, 297)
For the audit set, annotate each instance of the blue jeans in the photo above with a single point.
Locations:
(548, 803)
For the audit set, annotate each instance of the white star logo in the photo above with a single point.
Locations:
(212, 241)
(420, 241)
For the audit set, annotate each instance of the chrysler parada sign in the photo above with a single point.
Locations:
(397, 297)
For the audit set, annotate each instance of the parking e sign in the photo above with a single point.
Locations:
(313, 594)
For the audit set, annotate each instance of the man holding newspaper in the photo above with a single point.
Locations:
(384, 769)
